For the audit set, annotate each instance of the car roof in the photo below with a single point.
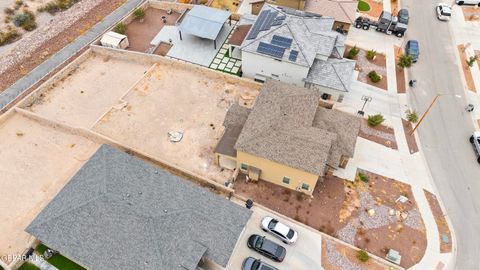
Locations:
(270, 246)
(403, 11)
(282, 228)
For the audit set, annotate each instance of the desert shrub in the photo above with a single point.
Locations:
(26, 20)
(362, 255)
(352, 53)
(374, 77)
(405, 61)
(9, 11)
(471, 60)
(18, 2)
(411, 116)
(375, 120)
(8, 37)
(139, 13)
(371, 54)
(363, 177)
(55, 6)
(120, 28)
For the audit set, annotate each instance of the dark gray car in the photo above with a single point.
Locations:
(251, 263)
(403, 16)
(266, 247)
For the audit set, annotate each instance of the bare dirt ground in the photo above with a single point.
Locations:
(339, 208)
(364, 66)
(471, 13)
(380, 134)
(336, 256)
(162, 49)
(173, 98)
(441, 222)
(466, 69)
(399, 73)
(37, 161)
(47, 40)
(141, 33)
(411, 141)
(84, 95)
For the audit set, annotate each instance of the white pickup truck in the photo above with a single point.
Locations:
(468, 2)
(475, 141)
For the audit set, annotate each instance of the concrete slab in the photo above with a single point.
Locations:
(192, 49)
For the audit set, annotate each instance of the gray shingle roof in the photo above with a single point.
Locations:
(332, 73)
(119, 212)
(287, 126)
(312, 35)
(204, 22)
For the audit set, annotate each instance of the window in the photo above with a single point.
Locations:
(286, 180)
(244, 166)
(305, 186)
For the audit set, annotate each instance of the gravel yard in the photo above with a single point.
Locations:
(339, 208)
(33, 49)
(380, 134)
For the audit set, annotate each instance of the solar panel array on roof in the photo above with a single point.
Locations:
(268, 21)
(272, 50)
(293, 55)
(258, 24)
(282, 41)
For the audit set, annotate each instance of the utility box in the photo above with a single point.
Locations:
(114, 40)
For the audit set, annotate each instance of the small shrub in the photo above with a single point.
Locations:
(405, 61)
(9, 11)
(412, 116)
(374, 77)
(362, 255)
(352, 53)
(371, 54)
(471, 61)
(139, 14)
(20, 19)
(375, 120)
(26, 20)
(363, 177)
(8, 37)
(18, 2)
(120, 28)
(55, 6)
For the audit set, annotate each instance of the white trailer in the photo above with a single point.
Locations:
(114, 40)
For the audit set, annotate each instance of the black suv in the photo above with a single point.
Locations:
(266, 247)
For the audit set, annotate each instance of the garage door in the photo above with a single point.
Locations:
(228, 163)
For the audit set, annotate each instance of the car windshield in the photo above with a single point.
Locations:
(272, 224)
(259, 243)
(290, 234)
(256, 265)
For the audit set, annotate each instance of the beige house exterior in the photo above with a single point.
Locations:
(295, 4)
(287, 138)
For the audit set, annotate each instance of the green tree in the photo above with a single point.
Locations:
(371, 54)
(362, 255)
(412, 116)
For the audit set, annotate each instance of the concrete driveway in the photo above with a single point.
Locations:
(304, 254)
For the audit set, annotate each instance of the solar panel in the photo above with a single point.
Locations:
(277, 23)
(267, 23)
(258, 24)
(282, 41)
(271, 50)
(293, 55)
(281, 17)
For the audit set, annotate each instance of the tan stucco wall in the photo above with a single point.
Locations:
(274, 172)
(296, 4)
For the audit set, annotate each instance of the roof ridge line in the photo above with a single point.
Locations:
(340, 79)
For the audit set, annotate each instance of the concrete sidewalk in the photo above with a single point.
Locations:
(17, 89)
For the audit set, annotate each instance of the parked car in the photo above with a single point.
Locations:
(467, 2)
(403, 16)
(413, 50)
(444, 12)
(475, 141)
(266, 247)
(251, 263)
(279, 230)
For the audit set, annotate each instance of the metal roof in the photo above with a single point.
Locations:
(119, 212)
(204, 22)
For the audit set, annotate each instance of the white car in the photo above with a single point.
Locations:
(444, 12)
(475, 141)
(280, 230)
(467, 2)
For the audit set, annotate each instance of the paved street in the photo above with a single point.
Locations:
(444, 133)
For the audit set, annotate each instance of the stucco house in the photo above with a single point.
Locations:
(299, 48)
(343, 11)
(287, 138)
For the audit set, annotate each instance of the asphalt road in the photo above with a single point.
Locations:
(444, 133)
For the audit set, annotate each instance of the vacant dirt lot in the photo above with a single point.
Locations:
(86, 93)
(37, 161)
(174, 98)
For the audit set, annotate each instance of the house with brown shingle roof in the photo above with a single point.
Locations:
(287, 138)
(343, 11)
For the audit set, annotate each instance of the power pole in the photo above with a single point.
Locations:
(425, 114)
